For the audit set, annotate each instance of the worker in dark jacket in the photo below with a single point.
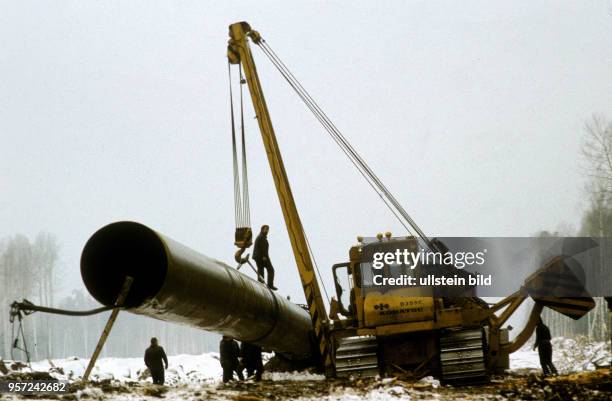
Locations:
(261, 257)
(153, 358)
(251, 357)
(229, 352)
(544, 349)
(609, 301)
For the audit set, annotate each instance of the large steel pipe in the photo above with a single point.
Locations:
(176, 284)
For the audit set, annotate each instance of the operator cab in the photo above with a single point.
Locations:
(384, 293)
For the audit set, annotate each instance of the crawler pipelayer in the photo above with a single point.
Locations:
(403, 329)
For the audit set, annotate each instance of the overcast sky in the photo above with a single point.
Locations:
(471, 112)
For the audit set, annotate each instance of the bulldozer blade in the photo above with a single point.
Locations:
(557, 286)
(574, 246)
(571, 307)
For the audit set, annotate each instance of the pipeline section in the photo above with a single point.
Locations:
(176, 284)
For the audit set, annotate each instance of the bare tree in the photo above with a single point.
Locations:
(16, 263)
(597, 156)
(45, 252)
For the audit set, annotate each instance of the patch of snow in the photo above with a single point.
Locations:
(395, 393)
(574, 355)
(182, 369)
(525, 358)
(292, 376)
(435, 383)
(89, 393)
(569, 355)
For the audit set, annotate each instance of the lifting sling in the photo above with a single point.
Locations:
(243, 237)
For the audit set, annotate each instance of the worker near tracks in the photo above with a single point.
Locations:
(544, 349)
(609, 301)
(229, 352)
(251, 357)
(261, 257)
(153, 358)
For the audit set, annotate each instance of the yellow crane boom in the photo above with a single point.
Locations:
(386, 330)
(239, 52)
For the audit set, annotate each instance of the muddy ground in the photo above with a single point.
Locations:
(588, 386)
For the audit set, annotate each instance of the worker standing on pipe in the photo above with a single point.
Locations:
(544, 349)
(229, 352)
(154, 355)
(261, 257)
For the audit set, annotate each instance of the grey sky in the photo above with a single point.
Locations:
(471, 112)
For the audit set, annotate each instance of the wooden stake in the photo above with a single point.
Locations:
(109, 325)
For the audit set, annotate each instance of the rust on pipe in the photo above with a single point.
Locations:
(176, 284)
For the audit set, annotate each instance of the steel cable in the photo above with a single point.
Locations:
(237, 197)
(346, 150)
(373, 180)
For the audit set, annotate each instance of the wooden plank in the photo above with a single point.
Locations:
(109, 325)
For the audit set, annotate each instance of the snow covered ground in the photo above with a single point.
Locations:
(569, 356)
(190, 375)
(182, 368)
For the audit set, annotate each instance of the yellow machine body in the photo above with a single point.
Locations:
(397, 306)
(388, 330)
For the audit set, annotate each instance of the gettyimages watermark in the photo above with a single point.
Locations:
(405, 258)
(492, 266)
(413, 259)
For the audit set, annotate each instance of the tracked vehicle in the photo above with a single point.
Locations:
(370, 329)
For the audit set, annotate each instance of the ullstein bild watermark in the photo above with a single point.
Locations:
(432, 280)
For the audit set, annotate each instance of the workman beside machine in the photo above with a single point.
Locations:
(153, 358)
(544, 346)
(262, 258)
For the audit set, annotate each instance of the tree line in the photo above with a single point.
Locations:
(29, 270)
(596, 165)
